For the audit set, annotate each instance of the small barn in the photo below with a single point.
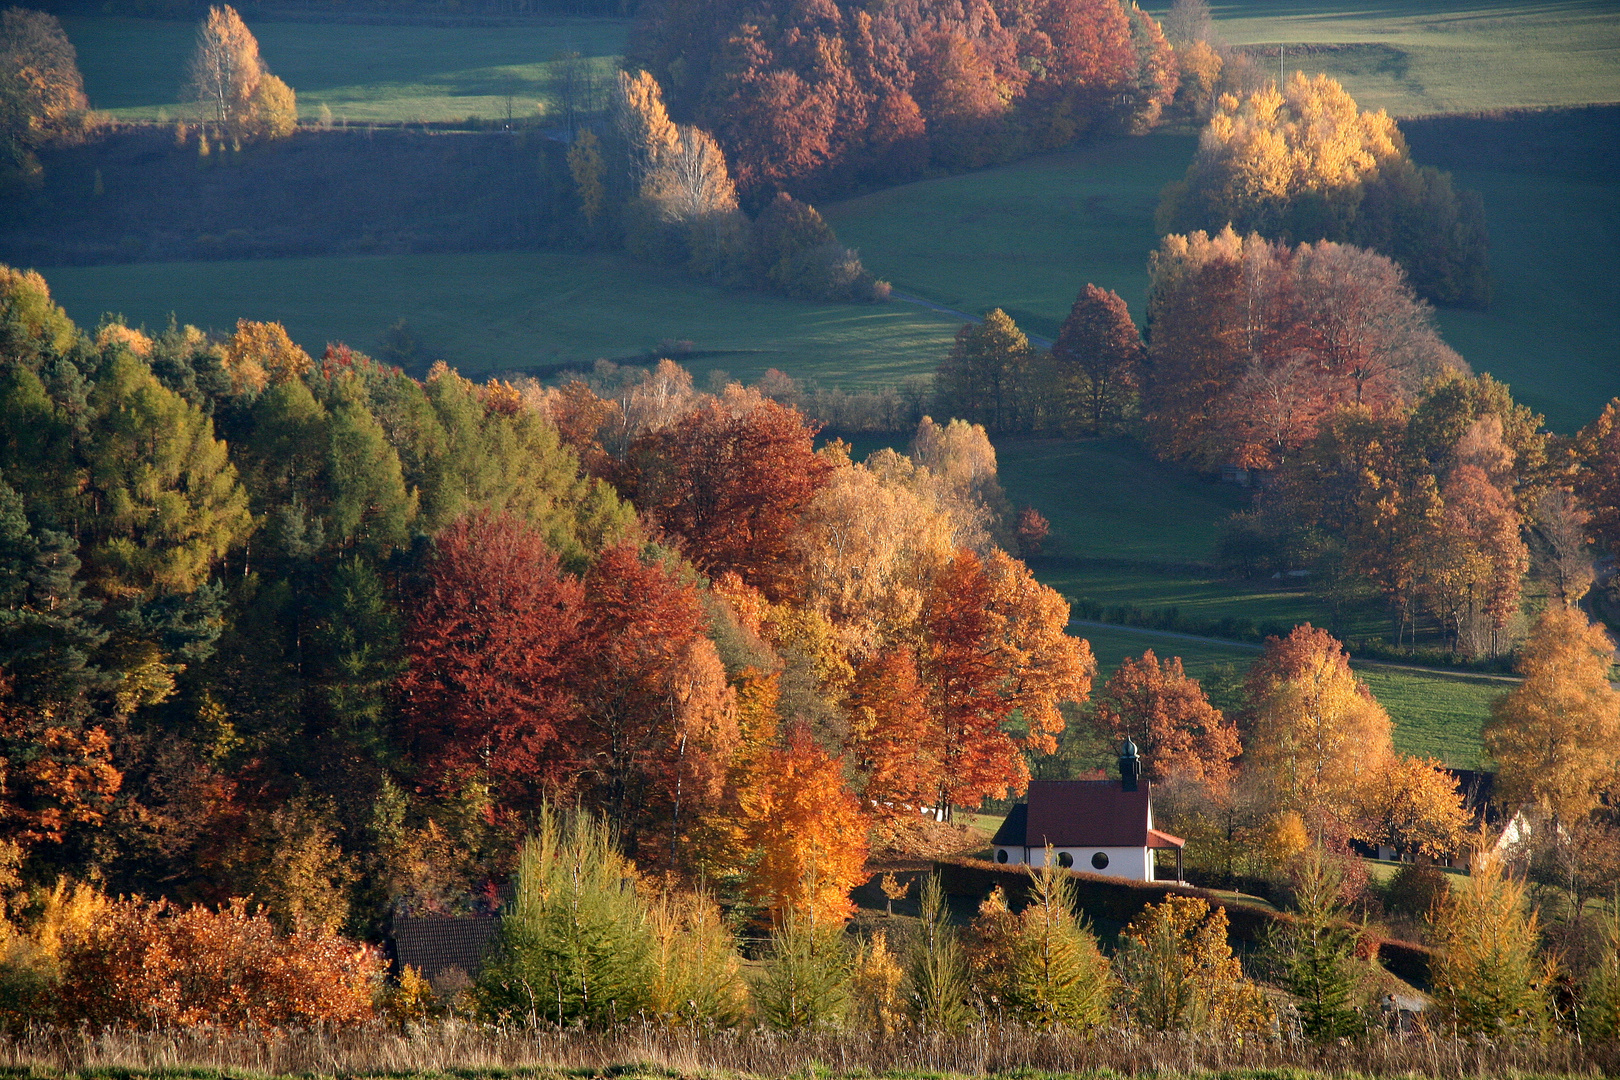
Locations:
(1098, 826)
(448, 950)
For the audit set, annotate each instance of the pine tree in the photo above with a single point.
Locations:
(576, 942)
(937, 967)
(1316, 954)
(805, 984)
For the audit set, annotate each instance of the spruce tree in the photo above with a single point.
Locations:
(1316, 954)
(576, 945)
(938, 967)
(806, 981)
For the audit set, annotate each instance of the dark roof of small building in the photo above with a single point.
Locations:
(1011, 833)
(438, 944)
(1079, 813)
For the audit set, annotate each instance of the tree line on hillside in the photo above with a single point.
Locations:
(326, 634)
(320, 633)
(666, 192)
(819, 97)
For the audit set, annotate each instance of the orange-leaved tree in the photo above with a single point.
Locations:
(1313, 729)
(889, 735)
(807, 831)
(1555, 735)
(656, 723)
(1172, 721)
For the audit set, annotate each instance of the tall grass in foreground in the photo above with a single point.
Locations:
(693, 1050)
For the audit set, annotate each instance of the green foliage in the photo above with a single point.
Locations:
(1415, 890)
(356, 648)
(162, 502)
(1489, 979)
(938, 971)
(1041, 967)
(576, 943)
(1315, 954)
(805, 984)
(1599, 1008)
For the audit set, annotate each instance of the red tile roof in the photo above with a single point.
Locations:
(1087, 813)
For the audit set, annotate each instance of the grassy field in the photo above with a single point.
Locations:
(134, 68)
(520, 310)
(1442, 55)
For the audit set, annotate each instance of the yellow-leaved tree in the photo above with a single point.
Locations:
(1314, 729)
(228, 79)
(1556, 735)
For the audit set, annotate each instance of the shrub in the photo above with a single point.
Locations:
(1416, 890)
(875, 987)
(1179, 974)
(698, 969)
(147, 965)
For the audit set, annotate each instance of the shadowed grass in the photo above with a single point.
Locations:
(507, 311)
(135, 67)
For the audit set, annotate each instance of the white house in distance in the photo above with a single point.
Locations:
(1098, 826)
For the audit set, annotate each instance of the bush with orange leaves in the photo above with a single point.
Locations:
(149, 965)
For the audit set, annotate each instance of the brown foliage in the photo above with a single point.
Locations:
(146, 965)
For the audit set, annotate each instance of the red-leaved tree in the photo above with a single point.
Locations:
(490, 640)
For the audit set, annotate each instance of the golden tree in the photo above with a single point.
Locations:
(585, 163)
(1314, 729)
(1555, 734)
(228, 79)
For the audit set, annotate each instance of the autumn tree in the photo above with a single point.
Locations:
(986, 378)
(654, 729)
(728, 482)
(228, 79)
(585, 165)
(1170, 719)
(41, 91)
(808, 832)
(1100, 350)
(1595, 454)
(1179, 974)
(1301, 162)
(993, 643)
(1255, 344)
(1489, 978)
(1414, 807)
(1312, 727)
(890, 737)
(490, 637)
(1554, 735)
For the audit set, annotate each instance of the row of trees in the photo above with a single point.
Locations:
(817, 97)
(323, 633)
(666, 190)
(1300, 163)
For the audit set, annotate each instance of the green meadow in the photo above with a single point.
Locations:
(134, 68)
(1027, 237)
(1440, 56)
(520, 310)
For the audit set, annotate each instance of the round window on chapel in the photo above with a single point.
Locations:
(1065, 860)
(1001, 855)
(1100, 860)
